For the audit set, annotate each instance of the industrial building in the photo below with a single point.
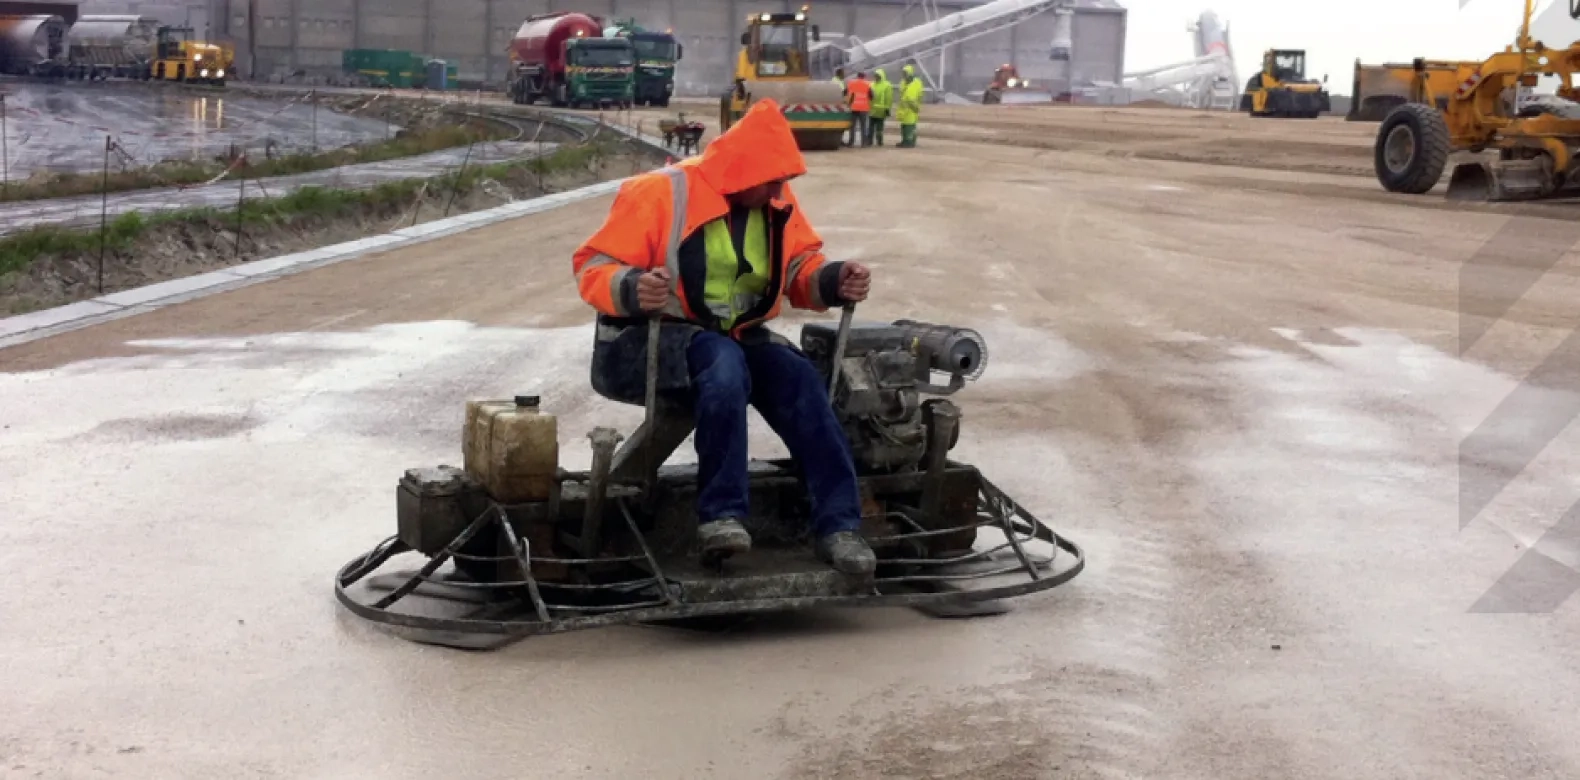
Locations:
(276, 38)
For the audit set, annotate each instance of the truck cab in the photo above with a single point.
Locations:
(656, 56)
(1285, 66)
(599, 71)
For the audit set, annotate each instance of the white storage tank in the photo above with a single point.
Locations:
(113, 40)
(28, 42)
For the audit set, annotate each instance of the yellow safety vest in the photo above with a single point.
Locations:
(729, 290)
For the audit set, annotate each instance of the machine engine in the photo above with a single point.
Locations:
(885, 372)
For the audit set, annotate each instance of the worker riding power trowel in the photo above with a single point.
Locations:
(534, 549)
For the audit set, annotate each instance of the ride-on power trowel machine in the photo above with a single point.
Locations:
(536, 550)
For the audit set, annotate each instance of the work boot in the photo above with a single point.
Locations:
(723, 538)
(847, 552)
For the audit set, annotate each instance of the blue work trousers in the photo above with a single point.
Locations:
(788, 392)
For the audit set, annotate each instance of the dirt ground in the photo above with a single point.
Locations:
(1276, 405)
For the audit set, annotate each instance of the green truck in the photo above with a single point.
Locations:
(564, 58)
(656, 55)
(395, 68)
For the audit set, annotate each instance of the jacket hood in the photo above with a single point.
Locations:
(909, 70)
(756, 150)
(879, 74)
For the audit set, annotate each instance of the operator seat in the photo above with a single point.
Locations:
(617, 361)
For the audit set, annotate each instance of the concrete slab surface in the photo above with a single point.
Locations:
(1245, 390)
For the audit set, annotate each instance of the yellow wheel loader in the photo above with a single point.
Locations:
(1535, 143)
(1281, 89)
(773, 63)
(179, 58)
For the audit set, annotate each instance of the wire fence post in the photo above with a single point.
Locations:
(5, 150)
(455, 190)
(104, 210)
(636, 162)
(537, 162)
(314, 97)
(241, 198)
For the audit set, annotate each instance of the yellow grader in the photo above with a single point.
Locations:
(1535, 144)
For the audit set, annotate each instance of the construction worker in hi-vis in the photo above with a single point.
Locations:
(715, 245)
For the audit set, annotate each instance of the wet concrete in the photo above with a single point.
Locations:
(20, 215)
(1246, 404)
(62, 127)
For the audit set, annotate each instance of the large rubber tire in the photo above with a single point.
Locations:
(1412, 149)
(662, 102)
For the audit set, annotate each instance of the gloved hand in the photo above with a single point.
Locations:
(854, 282)
(652, 290)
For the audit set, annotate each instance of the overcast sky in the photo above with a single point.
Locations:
(1335, 32)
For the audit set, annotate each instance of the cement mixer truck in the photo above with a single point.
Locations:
(563, 57)
(773, 63)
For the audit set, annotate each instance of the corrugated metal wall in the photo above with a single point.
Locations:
(308, 35)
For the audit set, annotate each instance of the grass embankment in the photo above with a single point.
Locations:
(168, 174)
(20, 250)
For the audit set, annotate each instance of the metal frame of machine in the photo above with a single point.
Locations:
(1379, 89)
(1007, 81)
(816, 110)
(616, 544)
(1536, 147)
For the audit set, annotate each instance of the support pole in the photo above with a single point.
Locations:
(456, 189)
(655, 327)
(5, 150)
(846, 314)
(941, 419)
(104, 209)
(603, 444)
(241, 198)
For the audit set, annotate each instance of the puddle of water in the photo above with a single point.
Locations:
(62, 127)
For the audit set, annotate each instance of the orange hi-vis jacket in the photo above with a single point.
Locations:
(860, 92)
(657, 220)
